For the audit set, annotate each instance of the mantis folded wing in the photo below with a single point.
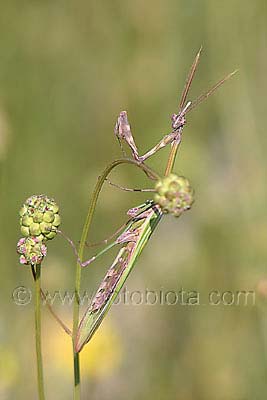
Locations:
(133, 240)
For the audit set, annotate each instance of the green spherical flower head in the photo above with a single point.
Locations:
(174, 194)
(39, 217)
(32, 250)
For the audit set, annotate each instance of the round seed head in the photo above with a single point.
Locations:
(39, 217)
(174, 194)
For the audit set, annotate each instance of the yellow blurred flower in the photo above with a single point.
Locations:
(99, 358)
(8, 368)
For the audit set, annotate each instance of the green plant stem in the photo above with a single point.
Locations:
(40, 377)
(87, 224)
(172, 157)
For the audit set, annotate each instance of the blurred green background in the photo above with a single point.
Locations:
(66, 70)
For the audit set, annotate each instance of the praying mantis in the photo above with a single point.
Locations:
(173, 194)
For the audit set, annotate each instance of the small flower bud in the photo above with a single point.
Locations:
(25, 231)
(48, 216)
(37, 216)
(57, 220)
(45, 227)
(51, 235)
(35, 229)
(26, 221)
(174, 194)
(23, 210)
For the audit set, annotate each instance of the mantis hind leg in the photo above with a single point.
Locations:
(128, 189)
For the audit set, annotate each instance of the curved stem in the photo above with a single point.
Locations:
(101, 180)
(38, 332)
(171, 159)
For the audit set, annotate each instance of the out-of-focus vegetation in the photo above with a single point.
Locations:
(66, 70)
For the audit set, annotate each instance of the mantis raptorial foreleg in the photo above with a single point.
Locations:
(123, 132)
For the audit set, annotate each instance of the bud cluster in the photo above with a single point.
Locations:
(32, 250)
